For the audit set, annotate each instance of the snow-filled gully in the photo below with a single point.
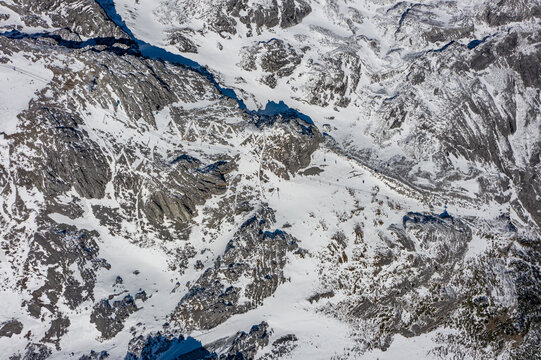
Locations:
(272, 108)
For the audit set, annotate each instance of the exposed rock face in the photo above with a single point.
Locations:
(284, 13)
(250, 270)
(241, 345)
(36, 352)
(181, 40)
(274, 58)
(158, 345)
(247, 344)
(424, 245)
(80, 165)
(10, 327)
(83, 17)
(162, 206)
(289, 147)
(435, 248)
(102, 355)
(334, 79)
(225, 17)
(64, 170)
(502, 13)
(175, 201)
(67, 249)
(109, 318)
(282, 347)
(428, 79)
(440, 131)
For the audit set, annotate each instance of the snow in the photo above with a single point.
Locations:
(14, 20)
(22, 78)
(179, 349)
(344, 194)
(125, 258)
(297, 201)
(418, 347)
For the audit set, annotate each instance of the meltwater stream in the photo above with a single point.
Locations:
(154, 52)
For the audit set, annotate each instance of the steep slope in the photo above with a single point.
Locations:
(149, 207)
(440, 94)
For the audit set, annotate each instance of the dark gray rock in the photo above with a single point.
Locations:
(285, 14)
(58, 328)
(180, 39)
(474, 101)
(334, 78)
(255, 253)
(293, 11)
(102, 355)
(282, 347)
(36, 352)
(109, 318)
(290, 149)
(434, 246)
(497, 13)
(63, 246)
(188, 183)
(73, 159)
(10, 327)
(275, 57)
(241, 345)
(60, 147)
(245, 345)
(83, 17)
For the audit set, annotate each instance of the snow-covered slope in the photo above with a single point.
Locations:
(146, 213)
(442, 94)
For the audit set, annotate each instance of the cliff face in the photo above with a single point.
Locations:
(171, 209)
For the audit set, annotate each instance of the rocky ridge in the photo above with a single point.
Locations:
(146, 209)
